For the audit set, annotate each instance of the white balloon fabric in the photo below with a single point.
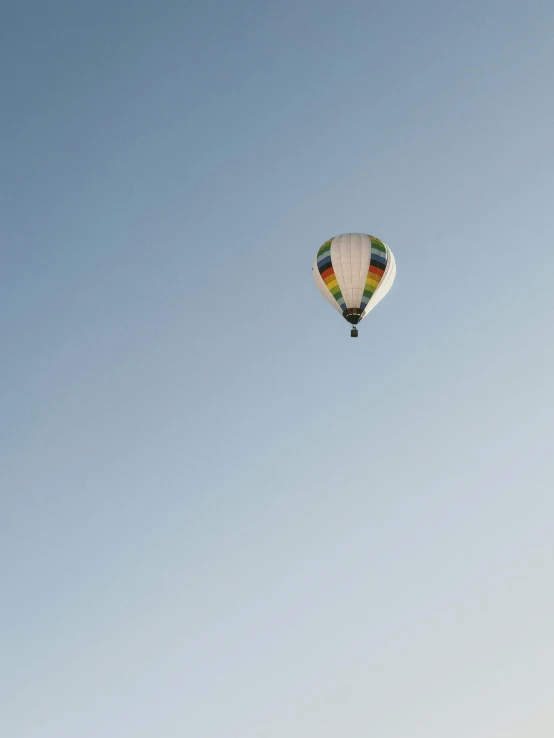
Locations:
(354, 272)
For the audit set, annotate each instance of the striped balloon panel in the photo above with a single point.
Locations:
(327, 273)
(376, 270)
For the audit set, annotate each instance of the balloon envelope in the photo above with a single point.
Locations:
(354, 271)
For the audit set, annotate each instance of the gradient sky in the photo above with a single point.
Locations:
(220, 516)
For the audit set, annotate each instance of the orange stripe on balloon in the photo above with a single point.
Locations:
(377, 270)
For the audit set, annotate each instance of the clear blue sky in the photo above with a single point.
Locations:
(220, 516)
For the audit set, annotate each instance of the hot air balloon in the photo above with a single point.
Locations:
(354, 272)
